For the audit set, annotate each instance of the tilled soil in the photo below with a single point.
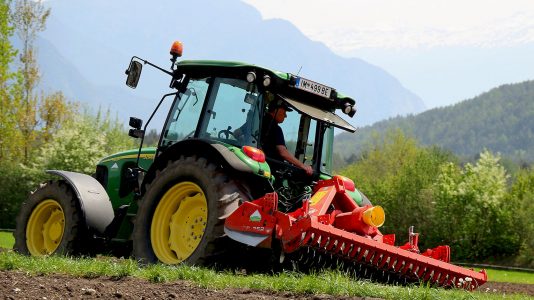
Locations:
(18, 285)
(506, 288)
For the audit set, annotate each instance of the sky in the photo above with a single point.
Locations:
(444, 51)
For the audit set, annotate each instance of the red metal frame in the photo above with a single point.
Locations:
(343, 232)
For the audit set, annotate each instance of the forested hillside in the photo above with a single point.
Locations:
(501, 120)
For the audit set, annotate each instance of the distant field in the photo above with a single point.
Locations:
(510, 276)
(6, 240)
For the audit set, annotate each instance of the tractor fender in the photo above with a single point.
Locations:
(231, 158)
(202, 147)
(93, 198)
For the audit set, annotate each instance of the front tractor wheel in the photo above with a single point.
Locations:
(180, 218)
(49, 221)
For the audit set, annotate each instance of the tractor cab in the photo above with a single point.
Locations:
(224, 106)
(232, 111)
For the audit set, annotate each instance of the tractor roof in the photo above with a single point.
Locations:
(228, 64)
(302, 94)
(282, 79)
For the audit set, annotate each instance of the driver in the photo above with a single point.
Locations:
(273, 142)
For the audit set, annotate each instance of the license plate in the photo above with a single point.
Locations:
(313, 87)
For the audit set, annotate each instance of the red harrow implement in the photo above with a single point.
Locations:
(330, 229)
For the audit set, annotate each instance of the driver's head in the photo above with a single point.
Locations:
(278, 109)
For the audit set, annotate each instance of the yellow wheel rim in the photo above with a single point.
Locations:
(45, 228)
(179, 222)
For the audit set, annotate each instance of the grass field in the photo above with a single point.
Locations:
(6, 240)
(510, 276)
(331, 283)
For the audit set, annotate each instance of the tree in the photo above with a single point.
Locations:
(14, 188)
(78, 145)
(151, 138)
(521, 198)
(29, 18)
(54, 110)
(472, 214)
(396, 173)
(8, 131)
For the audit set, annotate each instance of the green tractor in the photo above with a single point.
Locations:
(208, 184)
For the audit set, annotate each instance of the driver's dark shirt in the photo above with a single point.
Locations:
(272, 136)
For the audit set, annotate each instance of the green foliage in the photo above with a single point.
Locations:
(522, 198)
(14, 187)
(151, 138)
(6, 240)
(472, 200)
(76, 146)
(469, 208)
(29, 18)
(8, 131)
(39, 132)
(397, 174)
(54, 110)
(7, 52)
(80, 143)
(27, 118)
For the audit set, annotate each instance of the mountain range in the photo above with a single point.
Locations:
(500, 120)
(87, 46)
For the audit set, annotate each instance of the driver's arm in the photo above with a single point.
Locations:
(282, 150)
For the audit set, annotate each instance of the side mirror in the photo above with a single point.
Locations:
(135, 123)
(134, 73)
(136, 132)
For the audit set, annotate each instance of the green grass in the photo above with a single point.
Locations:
(331, 283)
(6, 240)
(510, 276)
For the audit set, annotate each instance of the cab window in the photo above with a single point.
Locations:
(300, 135)
(233, 113)
(185, 113)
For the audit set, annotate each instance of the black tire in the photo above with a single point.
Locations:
(53, 197)
(222, 194)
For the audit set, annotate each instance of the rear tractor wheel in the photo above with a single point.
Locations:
(181, 217)
(49, 221)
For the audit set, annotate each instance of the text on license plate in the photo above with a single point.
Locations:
(313, 87)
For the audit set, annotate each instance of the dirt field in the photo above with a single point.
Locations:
(17, 285)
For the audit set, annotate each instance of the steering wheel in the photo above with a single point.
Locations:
(226, 132)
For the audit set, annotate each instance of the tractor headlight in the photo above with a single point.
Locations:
(251, 77)
(349, 109)
(266, 80)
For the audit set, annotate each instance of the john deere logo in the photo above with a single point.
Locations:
(255, 217)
